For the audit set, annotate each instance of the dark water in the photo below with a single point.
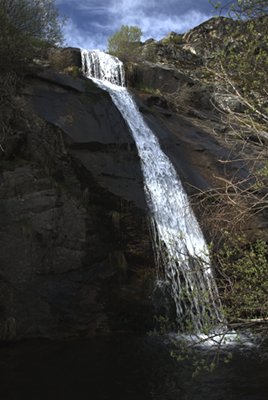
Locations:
(127, 368)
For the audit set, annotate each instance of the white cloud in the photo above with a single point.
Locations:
(159, 26)
(75, 37)
(93, 21)
(153, 27)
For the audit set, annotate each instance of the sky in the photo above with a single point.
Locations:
(91, 22)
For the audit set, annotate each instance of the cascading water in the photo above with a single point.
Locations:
(181, 250)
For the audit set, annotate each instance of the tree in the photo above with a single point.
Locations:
(125, 43)
(27, 27)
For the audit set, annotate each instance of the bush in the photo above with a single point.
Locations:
(244, 273)
(28, 27)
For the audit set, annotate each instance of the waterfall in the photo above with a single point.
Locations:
(181, 251)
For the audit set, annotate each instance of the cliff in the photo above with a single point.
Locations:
(75, 250)
(76, 255)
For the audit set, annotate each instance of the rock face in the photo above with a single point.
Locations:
(76, 257)
(75, 250)
(172, 50)
(208, 36)
(156, 77)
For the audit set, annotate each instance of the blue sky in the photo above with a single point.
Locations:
(91, 22)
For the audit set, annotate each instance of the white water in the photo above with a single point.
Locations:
(181, 251)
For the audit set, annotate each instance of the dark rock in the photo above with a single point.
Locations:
(150, 76)
(13, 145)
(74, 234)
(62, 80)
(98, 137)
(155, 101)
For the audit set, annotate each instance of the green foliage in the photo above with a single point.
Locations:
(27, 28)
(125, 43)
(244, 281)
